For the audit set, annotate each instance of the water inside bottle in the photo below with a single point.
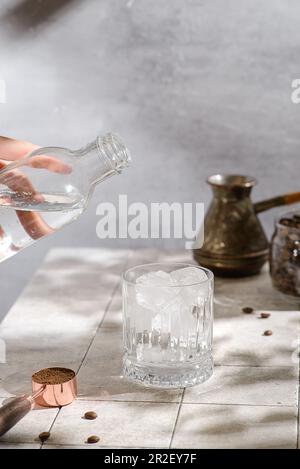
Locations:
(25, 218)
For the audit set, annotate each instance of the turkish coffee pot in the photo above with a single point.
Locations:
(235, 243)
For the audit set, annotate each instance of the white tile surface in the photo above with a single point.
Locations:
(71, 315)
(255, 291)
(72, 447)
(70, 293)
(248, 386)
(19, 446)
(122, 424)
(235, 427)
(239, 340)
(31, 347)
(238, 337)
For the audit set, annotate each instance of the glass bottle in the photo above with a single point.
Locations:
(51, 187)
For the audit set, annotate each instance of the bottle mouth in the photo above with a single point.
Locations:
(112, 147)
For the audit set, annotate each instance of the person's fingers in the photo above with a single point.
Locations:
(43, 162)
(18, 183)
(12, 150)
(51, 163)
(12, 246)
(34, 224)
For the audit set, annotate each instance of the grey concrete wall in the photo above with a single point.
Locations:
(193, 86)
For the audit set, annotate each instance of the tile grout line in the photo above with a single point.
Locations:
(74, 446)
(51, 426)
(138, 401)
(218, 365)
(115, 289)
(177, 418)
(291, 406)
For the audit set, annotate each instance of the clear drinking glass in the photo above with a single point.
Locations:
(168, 324)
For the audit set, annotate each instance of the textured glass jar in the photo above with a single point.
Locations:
(285, 254)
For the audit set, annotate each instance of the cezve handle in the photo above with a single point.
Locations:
(286, 199)
(12, 412)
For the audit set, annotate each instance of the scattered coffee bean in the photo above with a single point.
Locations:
(247, 310)
(44, 436)
(90, 415)
(286, 222)
(268, 333)
(265, 315)
(93, 439)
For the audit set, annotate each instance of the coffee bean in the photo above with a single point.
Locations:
(268, 333)
(247, 310)
(286, 222)
(44, 436)
(90, 415)
(93, 439)
(265, 315)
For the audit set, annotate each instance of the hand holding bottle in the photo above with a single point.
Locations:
(43, 189)
(13, 150)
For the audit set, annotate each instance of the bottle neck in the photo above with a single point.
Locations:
(105, 157)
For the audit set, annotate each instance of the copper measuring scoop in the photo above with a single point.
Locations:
(51, 387)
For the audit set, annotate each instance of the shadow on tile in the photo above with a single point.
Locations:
(239, 339)
(233, 426)
(247, 386)
(231, 295)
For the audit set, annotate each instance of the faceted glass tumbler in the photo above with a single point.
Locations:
(168, 324)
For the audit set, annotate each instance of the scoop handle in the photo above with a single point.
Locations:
(12, 412)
